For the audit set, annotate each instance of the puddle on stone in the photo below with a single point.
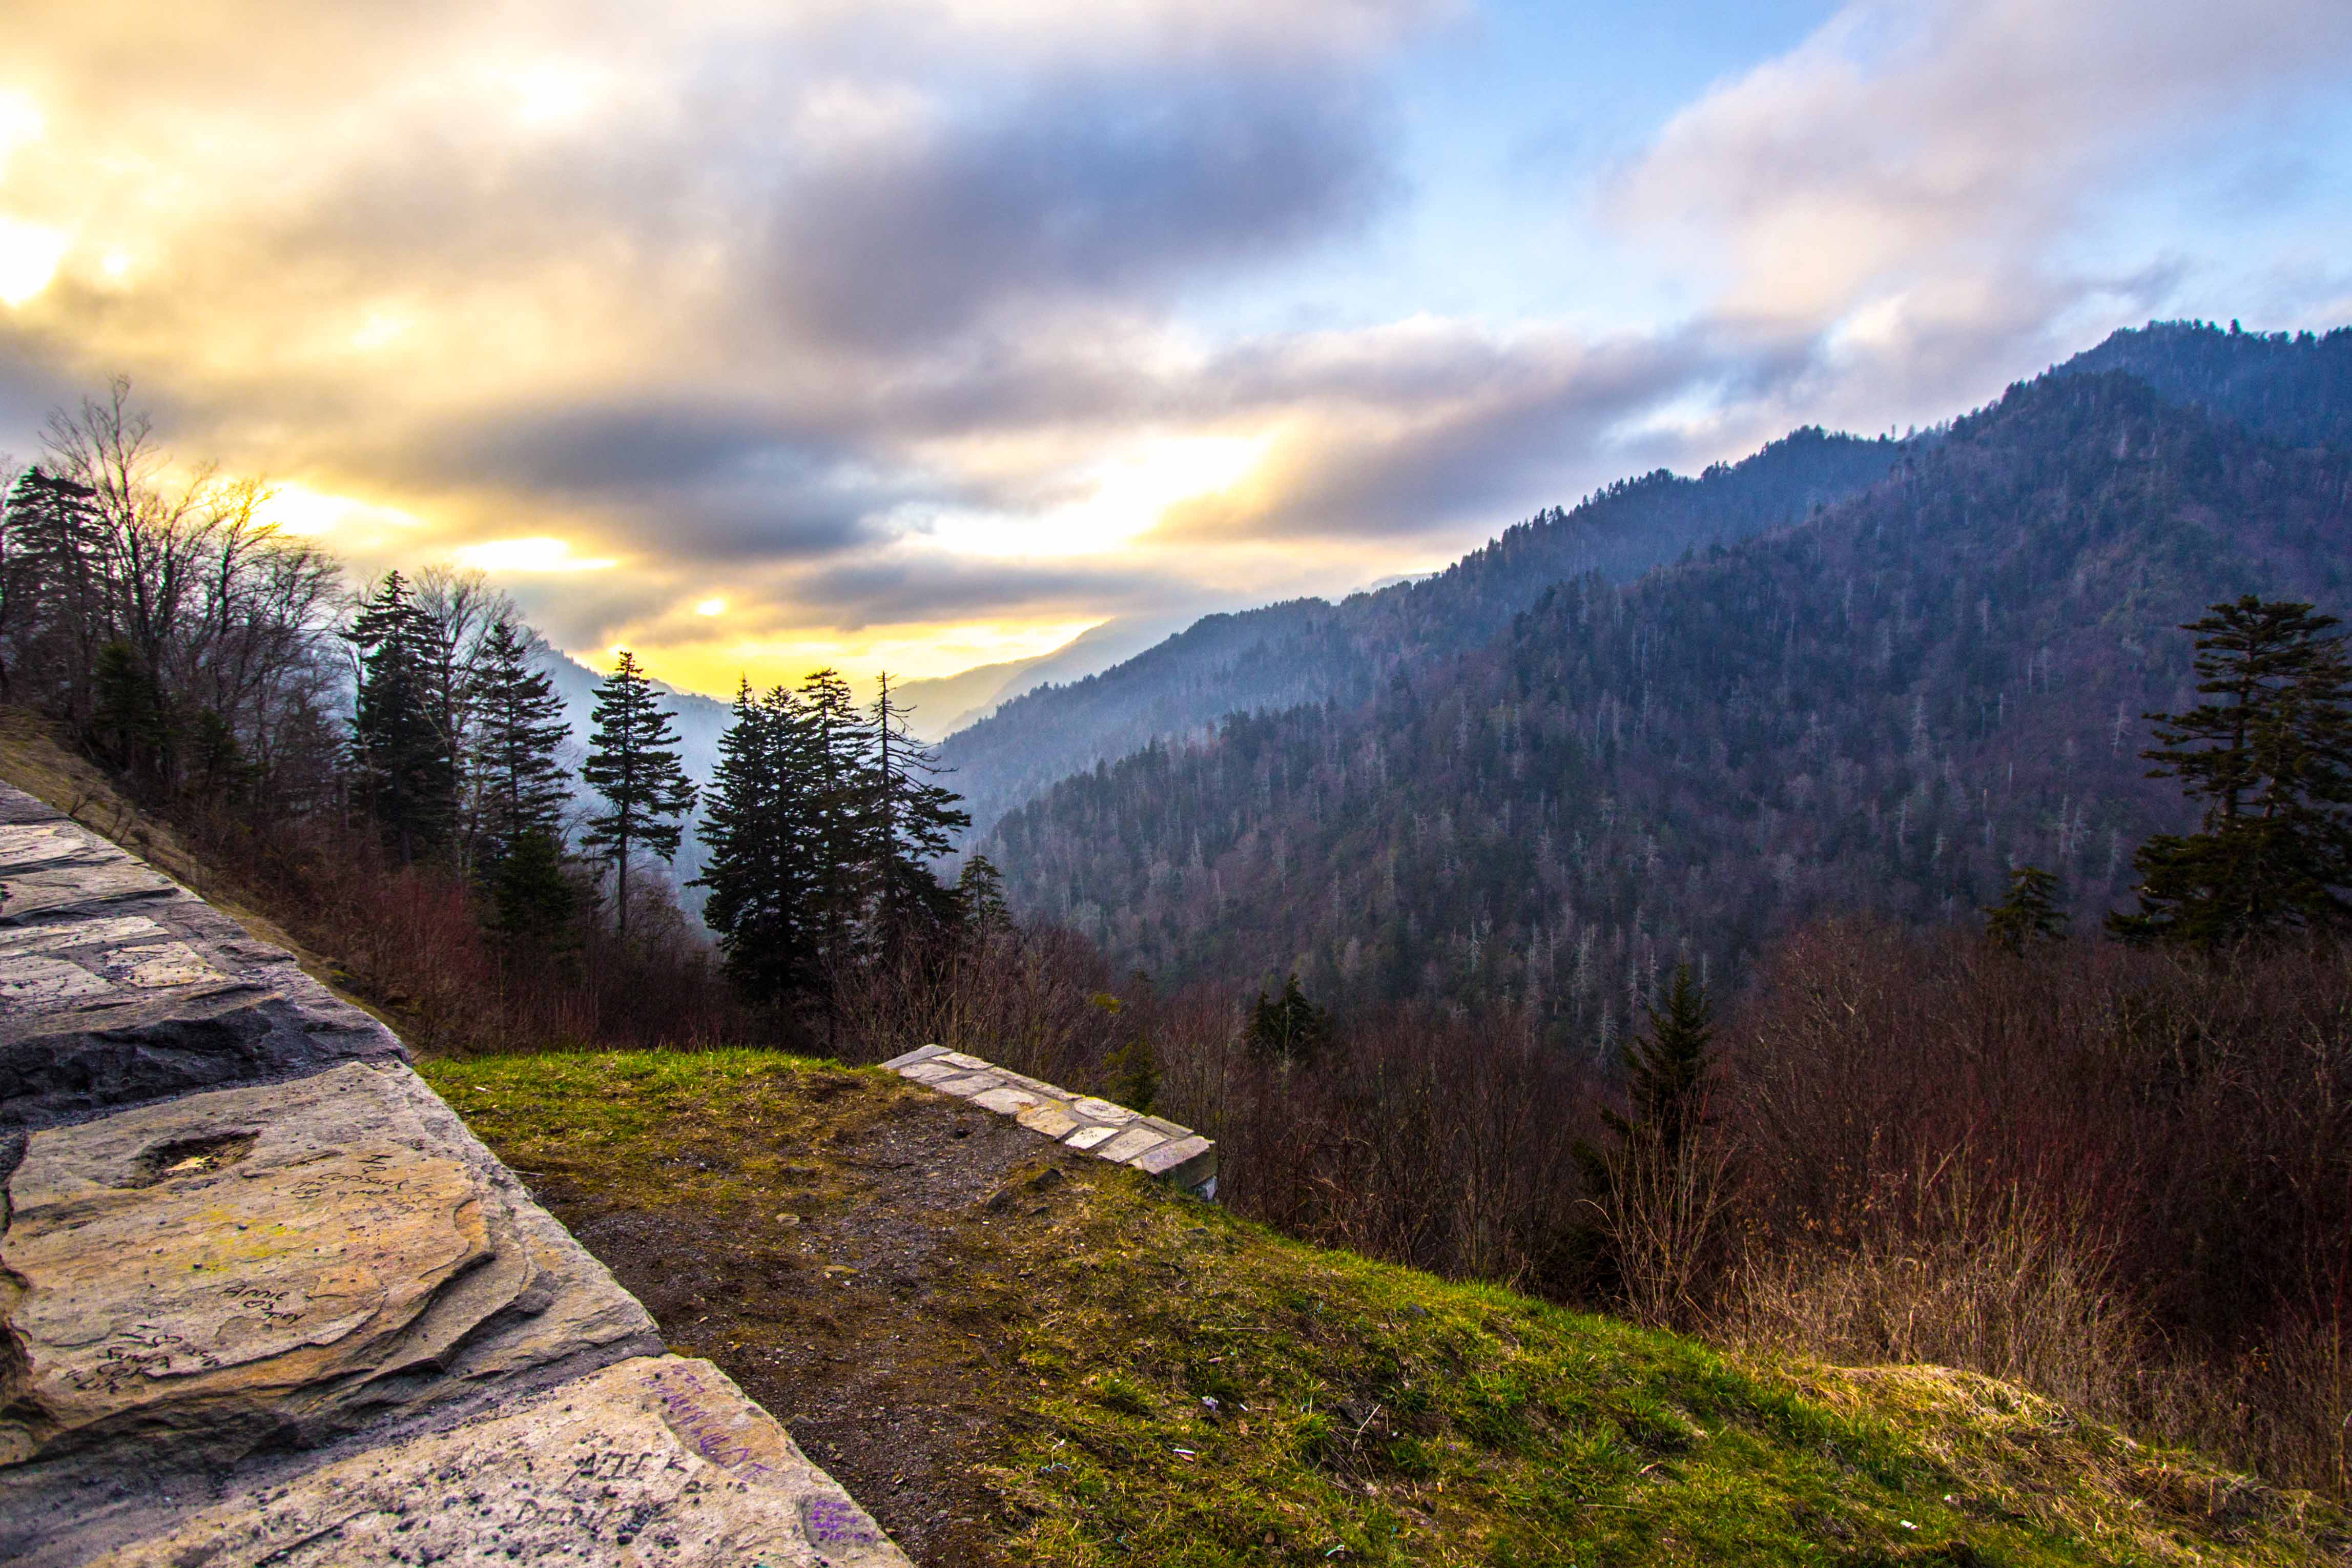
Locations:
(190, 1157)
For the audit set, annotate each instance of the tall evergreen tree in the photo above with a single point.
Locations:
(915, 820)
(760, 831)
(2270, 755)
(532, 900)
(134, 717)
(519, 787)
(405, 763)
(835, 763)
(1288, 1029)
(980, 894)
(1666, 1092)
(51, 597)
(631, 764)
(2030, 914)
(1665, 1073)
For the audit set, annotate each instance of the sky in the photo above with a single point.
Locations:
(920, 334)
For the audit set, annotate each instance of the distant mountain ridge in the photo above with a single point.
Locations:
(941, 705)
(1884, 706)
(1311, 650)
(2292, 387)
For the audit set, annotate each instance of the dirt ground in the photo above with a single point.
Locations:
(842, 1315)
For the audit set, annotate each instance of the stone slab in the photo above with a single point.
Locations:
(969, 1084)
(1050, 1120)
(1006, 1101)
(1190, 1162)
(190, 1280)
(263, 1297)
(653, 1461)
(117, 984)
(1129, 1143)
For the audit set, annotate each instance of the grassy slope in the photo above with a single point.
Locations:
(1173, 1386)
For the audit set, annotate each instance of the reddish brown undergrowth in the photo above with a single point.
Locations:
(412, 941)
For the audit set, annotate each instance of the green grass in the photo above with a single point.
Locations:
(1176, 1386)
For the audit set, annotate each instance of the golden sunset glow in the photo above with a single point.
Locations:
(723, 333)
(29, 255)
(518, 557)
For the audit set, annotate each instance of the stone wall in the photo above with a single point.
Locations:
(264, 1299)
(1177, 1156)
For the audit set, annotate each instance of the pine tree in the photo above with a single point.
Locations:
(519, 786)
(1288, 1029)
(533, 902)
(52, 609)
(915, 821)
(218, 768)
(760, 832)
(632, 765)
(1665, 1073)
(836, 768)
(2272, 761)
(132, 720)
(980, 896)
(406, 767)
(2030, 914)
(1665, 1090)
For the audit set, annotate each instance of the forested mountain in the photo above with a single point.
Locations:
(1309, 650)
(2294, 388)
(2297, 388)
(1884, 707)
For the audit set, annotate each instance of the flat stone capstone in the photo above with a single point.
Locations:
(1081, 1122)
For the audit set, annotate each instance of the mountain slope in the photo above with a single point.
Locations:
(2297, 389)
(1882, 707)
(1309, 650)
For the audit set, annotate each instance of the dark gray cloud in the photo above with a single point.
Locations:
(1440, 433)
(590, 446)
(1085, 187)
(886, 592)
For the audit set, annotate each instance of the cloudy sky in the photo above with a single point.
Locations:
(925, 333)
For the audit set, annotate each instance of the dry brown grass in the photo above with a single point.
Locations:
(1988, 1281)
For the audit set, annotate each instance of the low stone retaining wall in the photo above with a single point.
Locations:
(1175, 1154)
(263, 1299)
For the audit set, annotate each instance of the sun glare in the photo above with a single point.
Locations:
(537, 554)
(299, 509)
(379, 329)
(29, 255)
(20, 123)
(711, 608)
(1130, 496)
(549, 93)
